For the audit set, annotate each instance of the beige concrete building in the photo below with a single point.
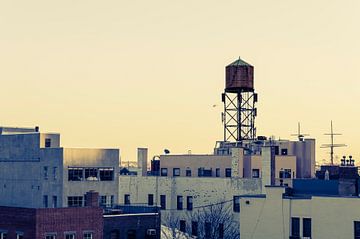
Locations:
(292, 159)
(277, 214)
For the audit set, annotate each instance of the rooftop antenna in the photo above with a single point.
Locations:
(299, 134)
(332, 145)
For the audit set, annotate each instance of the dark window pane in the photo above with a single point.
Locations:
(194, 228)
(189, 203)
(356, 229)
(163, 202)
(106, 174)
(255, 173)
(306, 227)
(150, 199)
(221, 230)
(207, 229)
(75, 201)
(176, 172)
(228, 172)
(91, 174)
(217, 174)
(182, 225)
(179, 202)
(236, 204)
(47, 143)
(295, 226)
(163, 172)
(126, 199)
(75, 174)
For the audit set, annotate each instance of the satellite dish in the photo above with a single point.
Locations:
(166, 151)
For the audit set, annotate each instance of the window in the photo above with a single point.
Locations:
(182, 225)
(236, 204)
(103, 201)
(228, 172)
(115, 234)
(150, 199)
(46, 175)
(202, 172)
(189, 203)
(69, 235)
(106, 174)
(75, 201)
(207, 229)
(47, 143)
(306, 227)
(276, 150)
(91, 174)
(356, 229)
(255, 173)
(163, 202)
(131, 234)
(75, 174)
(194, 228)
(54, 173)
(295, 226)
(188, 172)
(284, 151)
(285, 173)
(217, 172)
(45, 201)
(50, 236)
(176, 172)
(221, 230)
(179, 202)
(164, 172)
(3, 235)
(54, 201)
(88, 235)
(126, 199)
(19, 235)
(112, 200)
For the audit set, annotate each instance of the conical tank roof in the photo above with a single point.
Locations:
(239, 62)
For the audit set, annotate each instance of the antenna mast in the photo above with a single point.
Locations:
(332, 145)
(299, 134)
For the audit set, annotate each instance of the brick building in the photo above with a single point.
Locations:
(53, 223)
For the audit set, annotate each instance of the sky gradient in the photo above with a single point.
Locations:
(130, 74)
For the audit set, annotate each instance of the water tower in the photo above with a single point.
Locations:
(239, 101)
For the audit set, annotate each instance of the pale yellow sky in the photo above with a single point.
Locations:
(130, 74)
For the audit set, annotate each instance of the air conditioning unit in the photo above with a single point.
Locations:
(151, 232)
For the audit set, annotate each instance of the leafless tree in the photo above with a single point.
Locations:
(215, 221)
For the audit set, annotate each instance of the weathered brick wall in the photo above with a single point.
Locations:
(18, 219)
(60, 220)
(34, 223)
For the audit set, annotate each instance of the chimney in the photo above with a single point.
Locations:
(142, 157)
(92, 199)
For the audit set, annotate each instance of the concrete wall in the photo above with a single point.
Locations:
(204, 191)
(91, 158)
(270, 217)
(194, 162)
(54, 138)
(20, 147)
(22, 171)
